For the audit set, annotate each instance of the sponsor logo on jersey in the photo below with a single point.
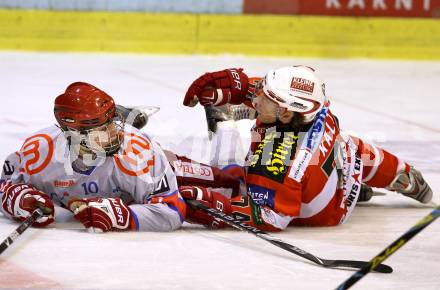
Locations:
(328, 138)
(317, 128)
(64, 183)
(300, 84)
(37, 152)
(137, 157)
(305, 154)
(8, 169)
(162, 186)
(191, 170)
(272, 156)
(261, 195)
(355, 188)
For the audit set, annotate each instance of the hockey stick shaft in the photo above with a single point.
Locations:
(21, 228)
(233, 222)
(391, 249)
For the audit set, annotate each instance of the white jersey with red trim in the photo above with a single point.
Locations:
(139, 174)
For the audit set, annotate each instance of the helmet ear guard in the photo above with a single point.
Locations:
(297, 89)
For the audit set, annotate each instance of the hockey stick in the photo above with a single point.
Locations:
(391, 249)
(21, 228)
(213, 115)
(233, 222)
(137, 116)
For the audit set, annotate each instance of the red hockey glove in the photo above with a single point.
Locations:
(210, 198)
(192, 173)
(20, 200)
(228, 86)
(101, 214)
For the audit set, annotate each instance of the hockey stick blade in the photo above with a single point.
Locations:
(391, 249)
(21, 228)
(233, 222)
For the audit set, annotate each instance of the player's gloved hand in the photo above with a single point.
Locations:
(101, 214)
(228, 86)
(210, 198)
(20, 200)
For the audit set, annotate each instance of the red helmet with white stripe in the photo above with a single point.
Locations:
(83, 106)
(88, 117)
(296, 88)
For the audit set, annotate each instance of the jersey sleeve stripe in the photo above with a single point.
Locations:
(176, 210)
(135, 222)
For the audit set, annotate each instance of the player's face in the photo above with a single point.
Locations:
(105, 139)
(266, 108)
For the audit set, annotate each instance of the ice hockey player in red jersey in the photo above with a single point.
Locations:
(301, 168)
(109, 174)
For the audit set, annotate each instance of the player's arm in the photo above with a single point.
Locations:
(11, 171)
(163, 209)
(99, 214)
(243, 208)
(113, 214)
(269, 205)
(156, 206)
(261, 208)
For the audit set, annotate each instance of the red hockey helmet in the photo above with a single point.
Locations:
(83, 106)
(88, 118)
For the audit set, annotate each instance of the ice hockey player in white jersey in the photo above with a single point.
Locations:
(109, 174)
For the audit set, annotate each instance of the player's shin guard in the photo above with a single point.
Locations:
(385, 170)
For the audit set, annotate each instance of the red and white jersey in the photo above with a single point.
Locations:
(139, 174)
(304, 178)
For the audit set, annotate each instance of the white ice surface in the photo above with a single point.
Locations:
(394, 104)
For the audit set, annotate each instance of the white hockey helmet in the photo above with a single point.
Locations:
(296, 88)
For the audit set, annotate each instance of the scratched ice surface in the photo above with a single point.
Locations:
(393, 104)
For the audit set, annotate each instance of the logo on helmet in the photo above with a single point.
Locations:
(303, 85)
(68, 120)
(298, 105)
(274, 97)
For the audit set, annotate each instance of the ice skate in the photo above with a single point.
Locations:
(412, 185)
